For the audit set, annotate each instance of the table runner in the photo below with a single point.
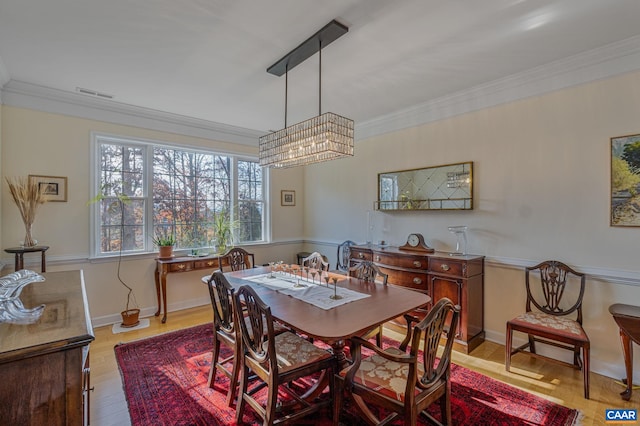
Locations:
(314, 293)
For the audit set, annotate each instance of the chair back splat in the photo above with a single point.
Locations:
(316, 261)
(237, 259)
(344, 255)
(553, 316)
(405, 383)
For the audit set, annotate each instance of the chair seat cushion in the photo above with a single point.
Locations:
(294, 352)
(386, 377)
(562, 326)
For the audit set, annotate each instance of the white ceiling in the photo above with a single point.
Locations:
(207, 59)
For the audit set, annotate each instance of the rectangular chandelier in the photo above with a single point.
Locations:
(326, 137)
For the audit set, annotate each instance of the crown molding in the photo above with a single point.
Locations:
(604, 62)
(40, 98)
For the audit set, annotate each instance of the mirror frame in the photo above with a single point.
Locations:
(453, 177)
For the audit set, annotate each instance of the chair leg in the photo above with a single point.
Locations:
(244, 379)
(585, 368)
(233, 381)
(507, 347)
(379, 337)
(337, 401)
(532, 344)
(272, 401)
(214, 362)
(445, 405)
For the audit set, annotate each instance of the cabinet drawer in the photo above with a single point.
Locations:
(358, 254)
(448, 266)
(414, 280)
(206, 263)
(409, 262)
(181, 267)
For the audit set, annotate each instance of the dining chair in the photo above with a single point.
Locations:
(277, 360)
(225, 332)
(401, 381)
(369, 272)
(556, 292)
(237, 259)
(344, 255)
(316, 261)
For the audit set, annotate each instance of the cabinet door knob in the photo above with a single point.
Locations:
(417, 264)
(361, 255)
(445, 267)
(417, 280)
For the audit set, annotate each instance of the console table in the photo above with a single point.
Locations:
(628, 319)
(20, 251)
(459, 278)
(179, 264)
(45, 365)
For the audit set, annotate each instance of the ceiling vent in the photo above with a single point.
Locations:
(93, 93)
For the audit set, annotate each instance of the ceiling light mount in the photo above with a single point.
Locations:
(325, 137)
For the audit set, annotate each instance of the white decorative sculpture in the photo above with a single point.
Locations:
(11, 307)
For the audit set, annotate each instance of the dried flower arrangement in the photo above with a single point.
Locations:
(28, 195)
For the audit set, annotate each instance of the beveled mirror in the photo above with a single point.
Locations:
(448, 187)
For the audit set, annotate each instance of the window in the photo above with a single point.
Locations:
(143, 189)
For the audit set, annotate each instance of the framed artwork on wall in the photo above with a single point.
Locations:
(287, 197)
(625, 181)
(55, 187)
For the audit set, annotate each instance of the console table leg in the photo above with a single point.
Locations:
(163, 281)
(627, 349)
(157, 279)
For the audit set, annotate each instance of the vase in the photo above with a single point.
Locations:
(28, 239)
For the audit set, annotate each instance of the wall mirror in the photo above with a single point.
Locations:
(448, 187)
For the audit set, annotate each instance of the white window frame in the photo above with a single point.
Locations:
(148, 145)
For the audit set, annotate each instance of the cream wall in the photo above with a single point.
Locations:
(58, 145)
(541, 191)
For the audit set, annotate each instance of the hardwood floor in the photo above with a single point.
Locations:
(559, 384)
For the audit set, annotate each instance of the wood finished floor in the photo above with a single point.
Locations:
(559, 384)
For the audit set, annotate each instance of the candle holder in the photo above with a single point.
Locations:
(335, 295)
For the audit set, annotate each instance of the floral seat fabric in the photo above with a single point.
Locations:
(540, 321)
(293, 352)
(386, 377)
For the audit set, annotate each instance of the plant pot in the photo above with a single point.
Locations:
(165, 252)
(130, 318)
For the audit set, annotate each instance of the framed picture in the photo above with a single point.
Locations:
(55, 187)
(625, 180)
(287, 197)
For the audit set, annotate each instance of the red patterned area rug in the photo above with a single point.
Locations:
(165, 383)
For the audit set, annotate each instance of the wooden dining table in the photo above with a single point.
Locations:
(336, 325)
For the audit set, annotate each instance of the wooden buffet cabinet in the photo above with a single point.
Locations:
(44, 366)
(460, 278)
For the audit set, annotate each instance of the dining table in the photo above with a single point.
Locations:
(373, 305)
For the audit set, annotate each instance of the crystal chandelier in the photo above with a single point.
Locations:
(325, 137)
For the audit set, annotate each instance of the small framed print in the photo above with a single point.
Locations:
(287, 197)
(55, 187)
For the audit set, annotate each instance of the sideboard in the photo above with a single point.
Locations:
(45, 365)
(439, 274)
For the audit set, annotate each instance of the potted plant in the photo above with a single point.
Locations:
(131, 313)
(165, 243)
